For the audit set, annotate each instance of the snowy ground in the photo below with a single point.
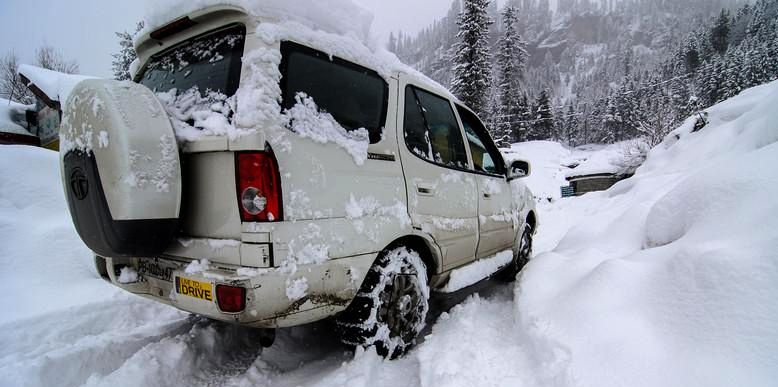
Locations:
(669, 278)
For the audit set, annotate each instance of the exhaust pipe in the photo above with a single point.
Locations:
(267, 337)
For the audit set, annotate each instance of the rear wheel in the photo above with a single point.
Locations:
(521, 257)
(390, 308)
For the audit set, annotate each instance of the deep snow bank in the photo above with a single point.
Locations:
(44, 263)
(670, 278)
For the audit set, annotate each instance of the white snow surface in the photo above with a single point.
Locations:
(470, 274)
(57, 86)
(597, 159)
(669, 278)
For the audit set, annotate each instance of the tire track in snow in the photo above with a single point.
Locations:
(66, 348)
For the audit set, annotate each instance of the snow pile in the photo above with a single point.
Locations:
(669, 278)
(326, 16)
(296, 289)
(57, 86)
(597, 159)
(197, 266)
(194, 114)
(127, 275)
(10, 110)
(305, 119)
(45, 264)
(370, 207)
(483, 268)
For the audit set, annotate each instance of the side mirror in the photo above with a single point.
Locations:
(519, 169)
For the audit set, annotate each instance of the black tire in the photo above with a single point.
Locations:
(520, 258)
(391, 307)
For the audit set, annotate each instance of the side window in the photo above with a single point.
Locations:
(431, 129)
(486, 156)
(355, 96)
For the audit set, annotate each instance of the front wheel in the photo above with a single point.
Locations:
(521, 257)
(391, 307)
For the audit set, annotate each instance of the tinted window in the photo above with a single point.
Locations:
(355, 96)
(431, 129)
(486, 156)
(211, 62)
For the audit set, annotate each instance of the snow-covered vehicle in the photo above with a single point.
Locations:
(266, 173)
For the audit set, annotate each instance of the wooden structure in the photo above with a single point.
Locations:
(594, 182)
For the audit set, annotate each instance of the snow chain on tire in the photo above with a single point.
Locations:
(520, 259)
(390, 309)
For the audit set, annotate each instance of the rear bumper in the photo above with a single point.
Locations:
(275, 297)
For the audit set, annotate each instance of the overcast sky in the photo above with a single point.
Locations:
(83, 30)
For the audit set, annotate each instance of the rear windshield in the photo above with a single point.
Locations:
(211, 62)
(355, 96)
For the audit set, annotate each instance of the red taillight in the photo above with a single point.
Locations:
(259, 187)
(231, 299)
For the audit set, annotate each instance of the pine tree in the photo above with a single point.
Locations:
(628, 111)
(719, 35)
(392, 47)
(691, 57)
(472, 60)
(569, 130)
(126, 55)
(611, 122)
(543, 120)
(510, 61)
(520, 132)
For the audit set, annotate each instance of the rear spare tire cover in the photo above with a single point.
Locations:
(120, 168)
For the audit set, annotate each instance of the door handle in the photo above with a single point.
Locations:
(487, 195)
(425, 190)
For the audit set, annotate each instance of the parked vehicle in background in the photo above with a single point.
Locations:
(270, 175)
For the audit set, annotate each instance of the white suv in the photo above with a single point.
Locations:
(268, 174)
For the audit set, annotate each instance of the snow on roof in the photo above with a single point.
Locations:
(329, 16)
(7, 110)
(337, 27)
(597, 160)
(55, 85)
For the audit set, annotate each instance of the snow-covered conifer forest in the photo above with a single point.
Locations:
(602, 71)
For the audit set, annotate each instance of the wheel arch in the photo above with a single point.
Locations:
(426, 249)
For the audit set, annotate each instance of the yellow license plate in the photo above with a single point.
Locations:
(196, 289)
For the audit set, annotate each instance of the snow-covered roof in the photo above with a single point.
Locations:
(55, 85)
(340, 28)
(340, 17)
(598, 162)
(9, 109)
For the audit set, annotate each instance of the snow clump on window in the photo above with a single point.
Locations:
(305, 119)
